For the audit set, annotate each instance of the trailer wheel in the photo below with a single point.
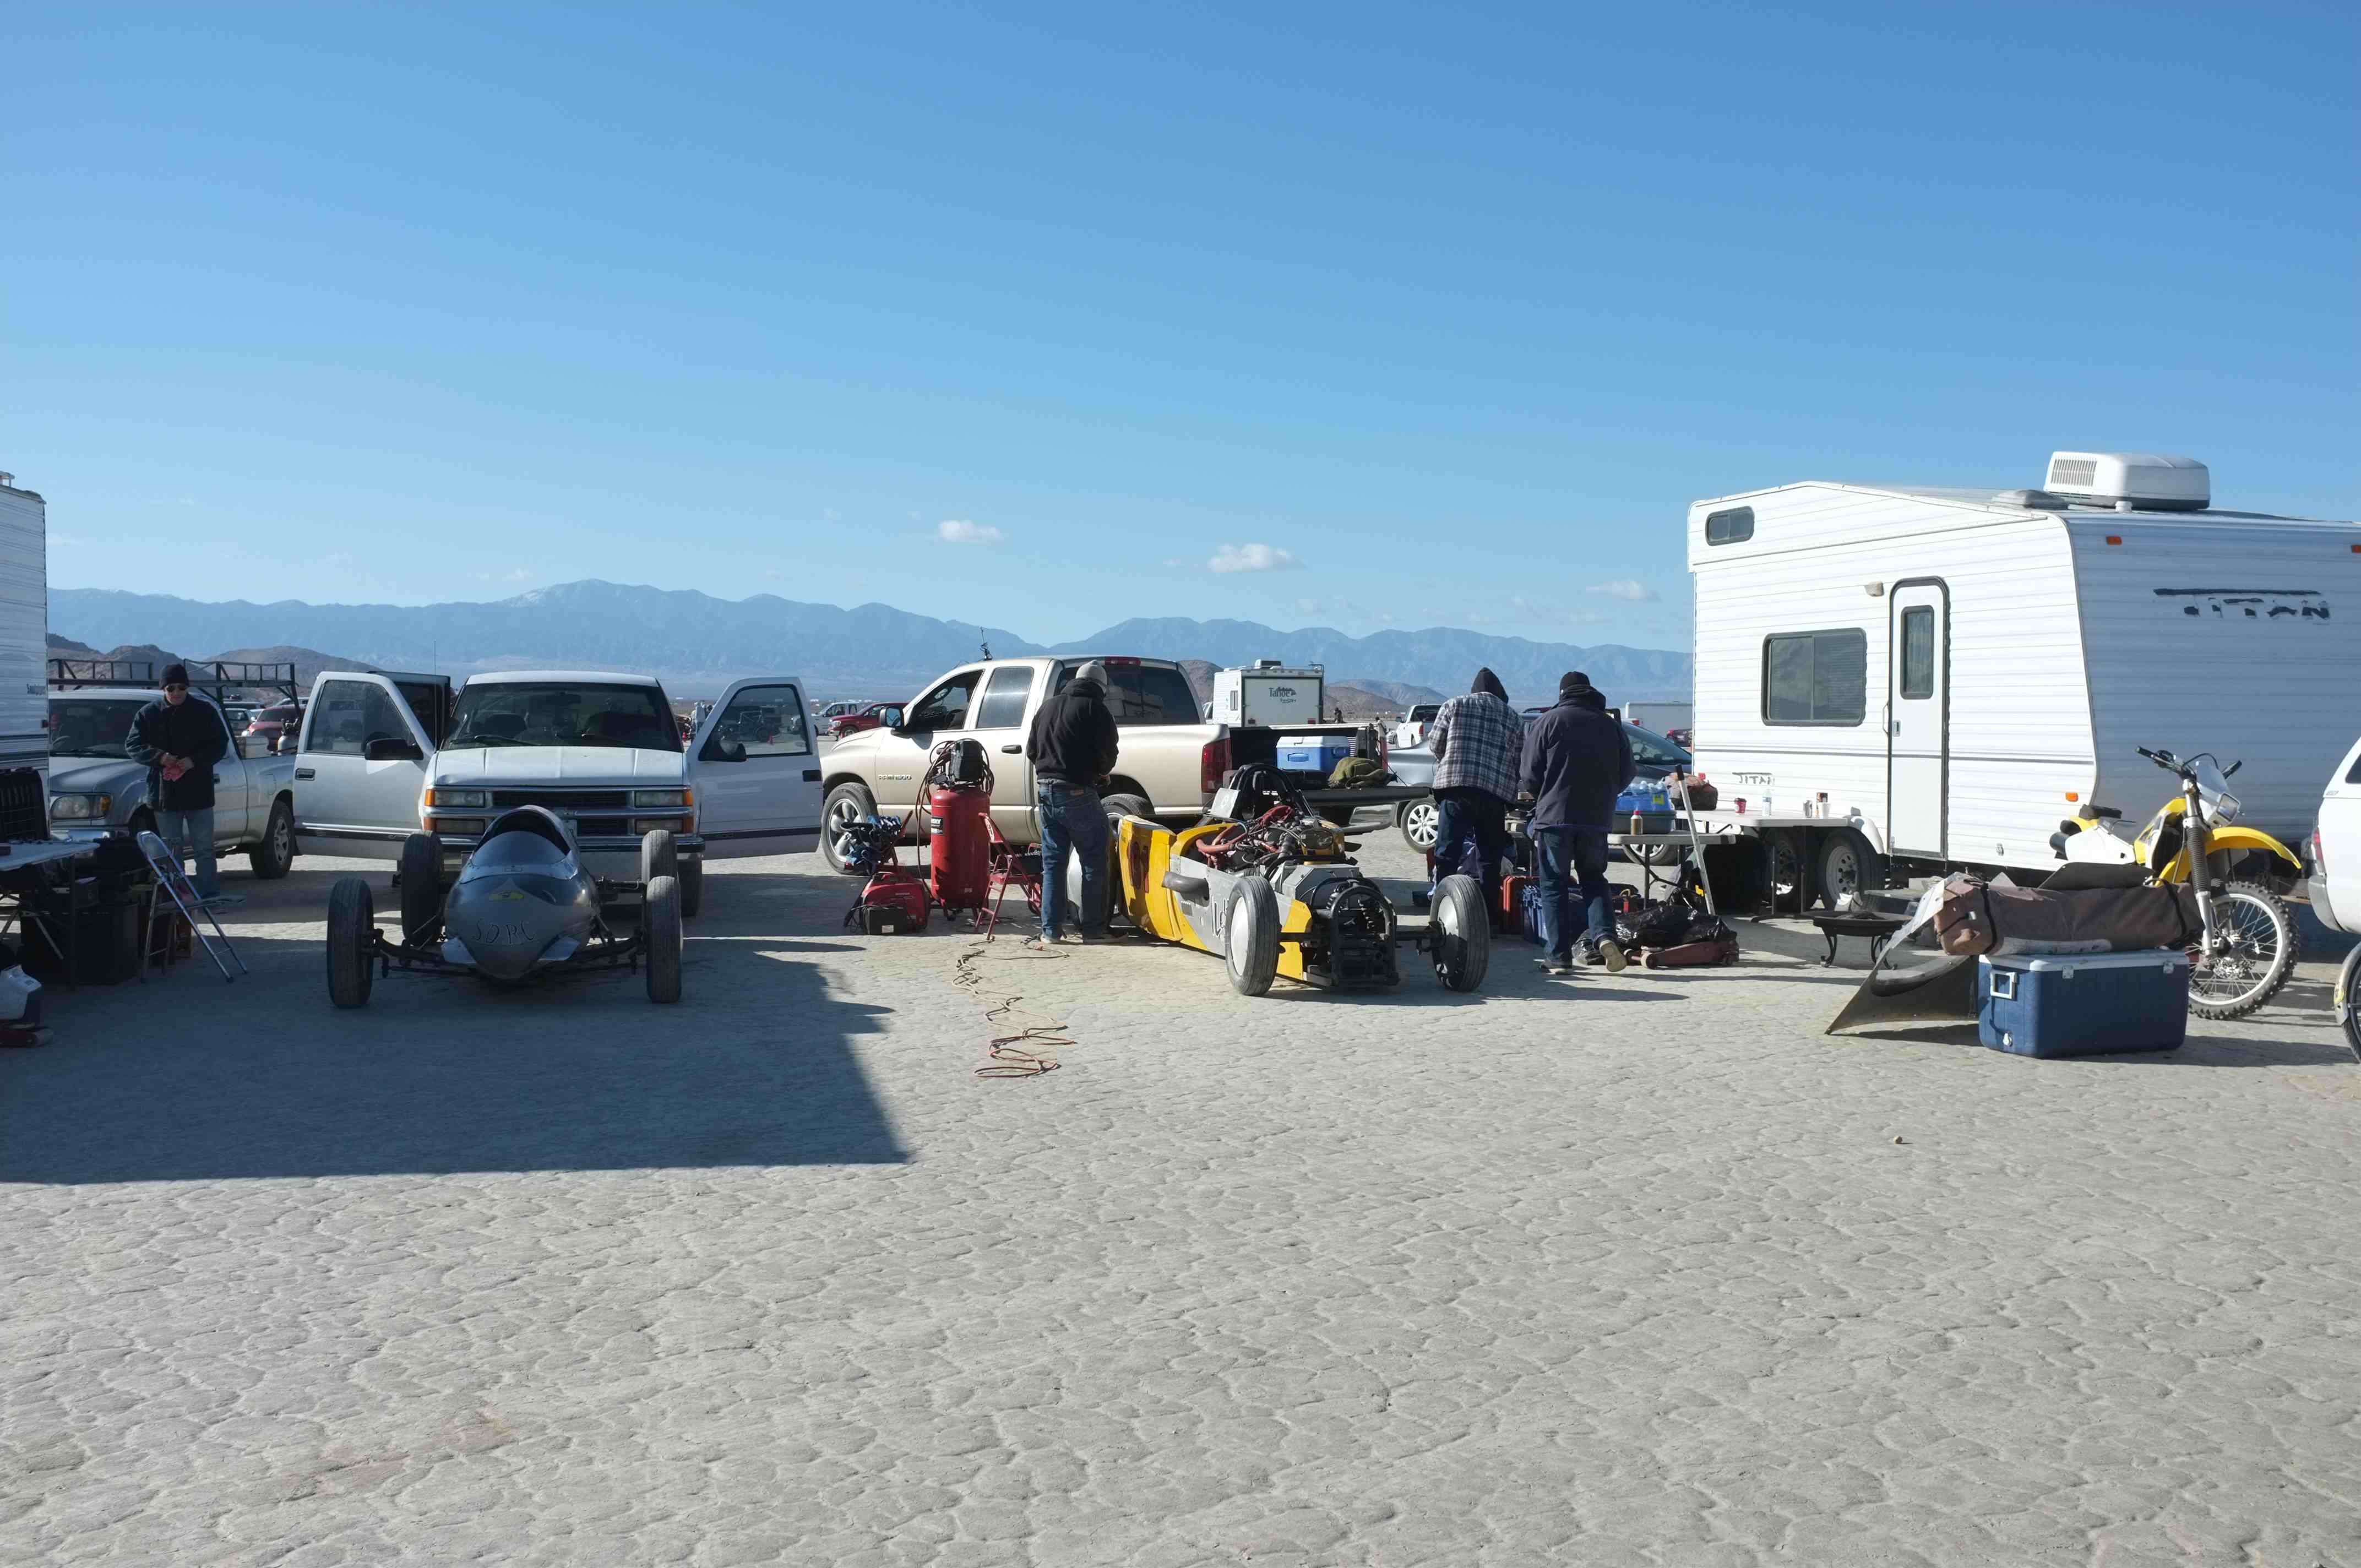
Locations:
(1782, 852)
(421, 884)
(660, 934)
(692, 885)
(847, 804)
(1461, 933)
(1848, 865)
(1250, 937)
(1421, 822)
(352, 921)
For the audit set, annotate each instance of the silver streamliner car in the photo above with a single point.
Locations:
(522, 909)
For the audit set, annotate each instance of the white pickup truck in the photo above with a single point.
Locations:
(1168, 762)
(2336, 886)
(94, 787)
(380, 760)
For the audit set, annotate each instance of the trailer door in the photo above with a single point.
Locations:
(1919, 718)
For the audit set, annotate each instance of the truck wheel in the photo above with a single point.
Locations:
(847, 804)
(274, 856)
(692, 886)
(659, 855)
(1421, 822)
(660, 932)
(1462, 934)
(1250, 937)
(1120, 805)
(421, 884)
(2347, 998)
(352, 921)
(1848, 865)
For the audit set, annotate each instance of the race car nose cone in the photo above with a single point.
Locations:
(508, 922)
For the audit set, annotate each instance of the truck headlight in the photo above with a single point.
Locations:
(645, 798)
(472, 798)
(79, 807)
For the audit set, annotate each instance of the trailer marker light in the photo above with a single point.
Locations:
(2073, 794)
(2114, 538)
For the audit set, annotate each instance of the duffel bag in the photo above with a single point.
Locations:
(1693, 955)
(1977, 917)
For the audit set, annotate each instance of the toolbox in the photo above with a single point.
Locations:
(2083, 1005)
(1312, 754)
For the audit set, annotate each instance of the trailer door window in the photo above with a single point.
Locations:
(1816, 677)
(1919, 652)
(1730, 527)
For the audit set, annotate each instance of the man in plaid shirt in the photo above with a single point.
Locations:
(1478, 740)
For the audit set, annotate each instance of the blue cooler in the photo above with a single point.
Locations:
(1312, 754)
(2083, 1005)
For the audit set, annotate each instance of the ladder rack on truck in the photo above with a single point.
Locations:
(212, 676)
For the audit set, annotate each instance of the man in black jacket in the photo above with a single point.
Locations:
(181, 742)
(1072, 745)
(1576, 761)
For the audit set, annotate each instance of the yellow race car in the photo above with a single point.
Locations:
(1273, 890)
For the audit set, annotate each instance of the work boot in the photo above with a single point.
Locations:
(1557, 966)
(1611, 952)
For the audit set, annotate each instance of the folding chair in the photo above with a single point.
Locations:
(172, 883)
(1011, 868)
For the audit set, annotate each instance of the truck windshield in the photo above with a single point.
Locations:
(1145, 694)
(531, 713)
(91, 727)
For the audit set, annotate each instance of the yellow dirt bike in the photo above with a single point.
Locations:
(2250, 943)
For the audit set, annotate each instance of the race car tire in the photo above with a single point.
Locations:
(659, 929)
(421, 884)
(352, 919)
(1250, 937)
(847, 804)
(692, 886)
(1462, 934)
(659, 855)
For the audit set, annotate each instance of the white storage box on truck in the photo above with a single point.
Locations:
(1937, 676)
(1270, 695)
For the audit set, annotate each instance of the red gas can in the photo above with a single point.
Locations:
(959, 847)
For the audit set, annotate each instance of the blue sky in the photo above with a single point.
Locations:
(1414, 315)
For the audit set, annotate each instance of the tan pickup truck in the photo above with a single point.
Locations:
(1168, 764)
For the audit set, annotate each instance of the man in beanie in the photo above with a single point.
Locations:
(1477, 739)
(1576, 761)
(1072, 745)
(180, 741)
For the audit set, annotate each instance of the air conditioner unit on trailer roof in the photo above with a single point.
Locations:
(2130, 481)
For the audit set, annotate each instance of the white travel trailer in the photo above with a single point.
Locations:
(24, 632)
(1896, 678)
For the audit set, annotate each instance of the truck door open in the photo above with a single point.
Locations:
(359, 768)
(755, 773)
(1919, 718)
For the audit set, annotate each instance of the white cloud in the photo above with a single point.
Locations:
(959, 531)
(1628, 588)
(1254, 558)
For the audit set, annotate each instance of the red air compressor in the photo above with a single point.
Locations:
(958, 844)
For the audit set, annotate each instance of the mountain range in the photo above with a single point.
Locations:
(695, 641)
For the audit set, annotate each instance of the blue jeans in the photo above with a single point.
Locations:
(1072, 818)
(192, 832)
(1471, 826)
(1574, 866)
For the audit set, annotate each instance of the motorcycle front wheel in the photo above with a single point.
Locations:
(2255, 949)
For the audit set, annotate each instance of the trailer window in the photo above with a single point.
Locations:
(1816, 677)
(1730, 527)
(1919, 652)
(1004, 698)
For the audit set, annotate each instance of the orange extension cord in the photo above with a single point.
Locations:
(1007, 1056)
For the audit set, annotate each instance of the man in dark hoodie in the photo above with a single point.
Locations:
(1477, 739)
(180, 739)
(1576, 761)
(1072, 745)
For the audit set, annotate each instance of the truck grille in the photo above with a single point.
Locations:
(564, 799)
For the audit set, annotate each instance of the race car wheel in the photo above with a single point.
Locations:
(275, 855)
(1421, 822)
(421, 884)
(352, 920)
(847, 804)
(1462, 934)
(660, 930)
(659, 854)
(692, 886)
(1250, 937)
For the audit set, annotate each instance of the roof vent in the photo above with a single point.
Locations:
(2130, 481)
(2032, 501)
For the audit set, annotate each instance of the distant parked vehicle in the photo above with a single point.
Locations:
(868, 716)
(1655, 757)
(1411, 728)
(271, 728)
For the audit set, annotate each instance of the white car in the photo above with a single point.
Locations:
(601, 750)
(2337, 848)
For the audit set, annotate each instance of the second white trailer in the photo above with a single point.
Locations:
(1936, 677)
